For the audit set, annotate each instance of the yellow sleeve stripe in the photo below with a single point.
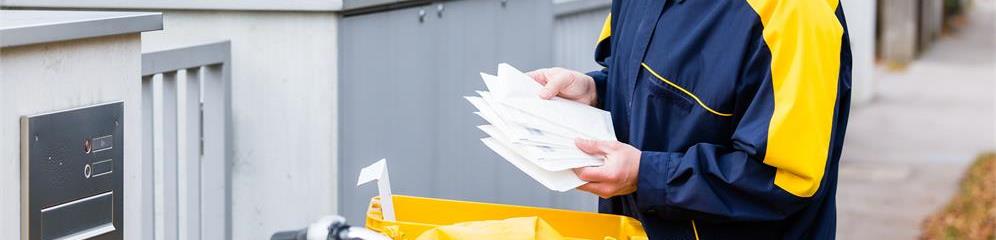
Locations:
(805, 42)
(606, 29)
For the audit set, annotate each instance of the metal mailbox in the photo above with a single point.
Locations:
(71, 173)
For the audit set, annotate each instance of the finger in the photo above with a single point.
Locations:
(588, 174)
(599, 189)
(538, 75)
(591, 174)
(588, 146)
(587, 187)
(555, 82)
(595, 147)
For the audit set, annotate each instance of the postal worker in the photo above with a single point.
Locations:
(730, 116)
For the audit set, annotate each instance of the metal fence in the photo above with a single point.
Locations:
(185, 152)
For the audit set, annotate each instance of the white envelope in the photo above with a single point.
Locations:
(510, 114)
(515, 84)
(537, 135)
(560, 181)
(547, 157)
(518, 133)
(523, 94)
(590, 122)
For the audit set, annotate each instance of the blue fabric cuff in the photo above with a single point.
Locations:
(600, 78)
(651, 187)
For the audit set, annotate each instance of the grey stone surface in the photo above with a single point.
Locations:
(905, 151)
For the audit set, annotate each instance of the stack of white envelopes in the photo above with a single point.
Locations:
(537, 135)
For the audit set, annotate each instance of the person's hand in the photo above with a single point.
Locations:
(618, 176)
(568, 84)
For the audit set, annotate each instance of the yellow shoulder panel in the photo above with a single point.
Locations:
(804, 37)
(606, 29)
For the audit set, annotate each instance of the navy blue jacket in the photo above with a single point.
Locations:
(739, 107)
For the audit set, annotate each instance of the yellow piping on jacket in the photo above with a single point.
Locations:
(695, 230)
(690, 94)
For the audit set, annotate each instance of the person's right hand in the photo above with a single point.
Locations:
(568, 84)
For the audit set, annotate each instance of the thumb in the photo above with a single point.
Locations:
(538, 75)
(593, 147)
(555, 82)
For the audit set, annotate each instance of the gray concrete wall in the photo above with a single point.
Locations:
(55, 76)
(283, 111)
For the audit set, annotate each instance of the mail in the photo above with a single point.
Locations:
(537, 135)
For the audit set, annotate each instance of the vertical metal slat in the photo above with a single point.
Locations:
(185, 165)
(189, 165)
(147, 179)
(166, 156)
(214, 168)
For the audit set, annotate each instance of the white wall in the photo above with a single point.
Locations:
(860, 16)
(55, 76)
(284, 69)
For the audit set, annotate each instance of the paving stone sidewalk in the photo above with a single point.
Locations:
(905, 150)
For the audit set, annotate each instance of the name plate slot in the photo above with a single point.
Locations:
(80, 219)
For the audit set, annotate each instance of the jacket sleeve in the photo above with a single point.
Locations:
(796, 82)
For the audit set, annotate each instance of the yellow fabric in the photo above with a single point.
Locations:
(512, 228)
(804, 37)
(606, 29)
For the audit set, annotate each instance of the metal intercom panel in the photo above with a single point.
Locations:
(71, 173)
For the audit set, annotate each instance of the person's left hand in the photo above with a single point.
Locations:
(617, 176)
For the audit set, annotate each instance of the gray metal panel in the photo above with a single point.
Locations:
(234, 5)
(568, 7)
(377, 5)
(401, 88)
(57, 177)
(575, 31)
(385, 53)
(575, 34)
(187, 57)
(524, 40)
(468, 34)
(25, 27)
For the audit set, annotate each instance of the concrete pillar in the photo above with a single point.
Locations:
(860, 16)
(898, 23)
(931, 20)
(58, 60)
